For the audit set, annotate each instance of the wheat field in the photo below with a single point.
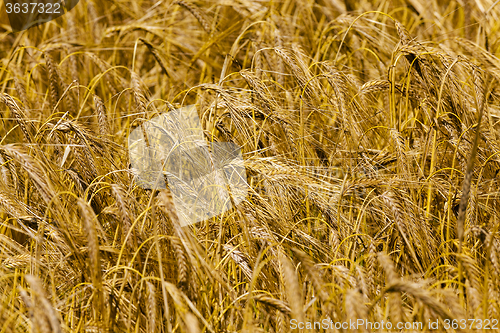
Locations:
(370, 133)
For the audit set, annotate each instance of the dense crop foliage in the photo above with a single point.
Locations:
(370, 135)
